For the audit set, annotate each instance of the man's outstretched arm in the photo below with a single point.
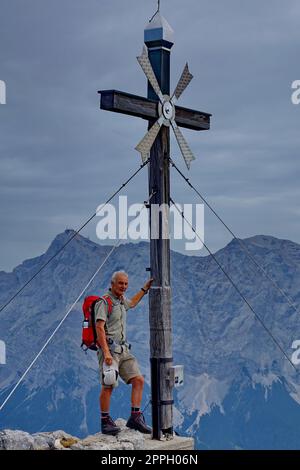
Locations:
(140, 294)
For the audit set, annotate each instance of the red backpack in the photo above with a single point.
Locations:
(89, 333)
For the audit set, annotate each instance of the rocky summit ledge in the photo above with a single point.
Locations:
(127, 439)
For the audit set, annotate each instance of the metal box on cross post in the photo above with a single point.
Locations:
(176, 376)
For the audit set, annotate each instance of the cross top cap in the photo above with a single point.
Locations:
(158, 30)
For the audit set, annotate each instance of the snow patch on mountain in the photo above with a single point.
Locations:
(201, 394)
(266, 379)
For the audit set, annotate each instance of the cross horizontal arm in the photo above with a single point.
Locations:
(125, 103)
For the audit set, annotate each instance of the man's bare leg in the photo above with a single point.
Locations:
(137, 391)
(104, 399)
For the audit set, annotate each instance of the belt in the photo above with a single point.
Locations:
(113, 344)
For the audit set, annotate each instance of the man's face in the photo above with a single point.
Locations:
(120, 285)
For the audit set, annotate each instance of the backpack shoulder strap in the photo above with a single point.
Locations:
(108, 302)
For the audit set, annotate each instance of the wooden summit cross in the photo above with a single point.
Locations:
(160, 110)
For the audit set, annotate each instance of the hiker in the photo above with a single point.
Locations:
(114, 356)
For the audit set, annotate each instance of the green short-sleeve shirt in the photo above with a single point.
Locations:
(115, 323)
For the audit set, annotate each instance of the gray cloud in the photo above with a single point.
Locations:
(60, 156)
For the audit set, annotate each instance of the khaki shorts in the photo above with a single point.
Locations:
(127, 364)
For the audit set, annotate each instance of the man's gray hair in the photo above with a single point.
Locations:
(116, 273)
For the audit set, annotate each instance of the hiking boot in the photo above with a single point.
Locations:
(108, 426)
(137, 422)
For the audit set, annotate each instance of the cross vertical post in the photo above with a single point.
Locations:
(162, 112)
(158, 39)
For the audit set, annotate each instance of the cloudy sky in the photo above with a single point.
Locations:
(60, 156)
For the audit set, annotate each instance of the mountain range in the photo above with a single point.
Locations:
(239, 392)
